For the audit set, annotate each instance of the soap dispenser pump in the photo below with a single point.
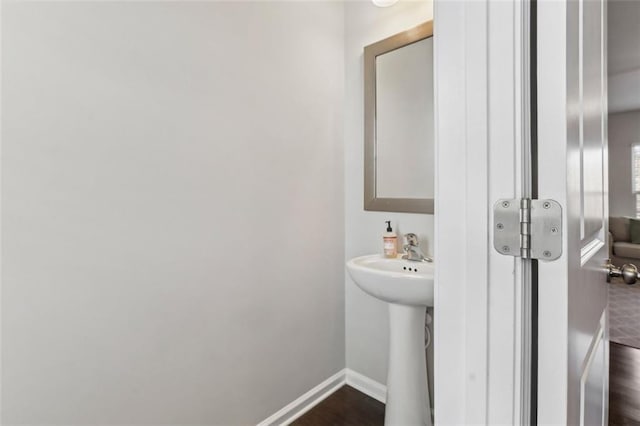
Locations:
(390, 242)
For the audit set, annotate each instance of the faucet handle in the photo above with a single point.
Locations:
(412, 239)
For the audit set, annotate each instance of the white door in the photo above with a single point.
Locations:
(481, 328)
(572, 153)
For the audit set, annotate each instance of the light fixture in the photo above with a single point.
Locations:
(384, 3)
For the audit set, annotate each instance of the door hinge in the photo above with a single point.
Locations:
(531, 229)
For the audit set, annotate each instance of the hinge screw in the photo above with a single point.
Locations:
(505, 249)
(547, 253)
(546, 204)
(500, 226)
(505, 204)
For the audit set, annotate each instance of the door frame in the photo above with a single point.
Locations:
(481, 328)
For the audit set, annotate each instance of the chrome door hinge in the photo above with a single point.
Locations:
(531, 229)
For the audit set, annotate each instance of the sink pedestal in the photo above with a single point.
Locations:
(407, 391)
(407, 286)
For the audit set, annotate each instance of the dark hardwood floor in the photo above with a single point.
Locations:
(349, 407)
(624, 385)
(345, 407)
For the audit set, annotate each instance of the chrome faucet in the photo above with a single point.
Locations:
(412, 250)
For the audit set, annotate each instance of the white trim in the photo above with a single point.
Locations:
(310, 399)
(508, 176)
(480, 345)
(306, 402)
(455, 374)
(366, 385)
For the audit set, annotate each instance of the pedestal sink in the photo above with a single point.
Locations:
(408, 288)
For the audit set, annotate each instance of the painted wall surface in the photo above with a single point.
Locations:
(623, 91)
(367, 324)
(173, 211)
(623, 36)
(624, 131)
(623, 55)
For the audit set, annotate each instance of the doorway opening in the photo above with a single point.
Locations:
(623, 34)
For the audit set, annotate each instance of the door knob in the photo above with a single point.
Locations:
(628, 272)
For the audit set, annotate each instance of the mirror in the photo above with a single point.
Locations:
(399, 122)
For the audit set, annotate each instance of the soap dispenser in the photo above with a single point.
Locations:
(390, 242)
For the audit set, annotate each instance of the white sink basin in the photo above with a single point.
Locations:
(407, 287)
(394, 280)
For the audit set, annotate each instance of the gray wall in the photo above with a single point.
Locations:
(624, 131)
(172, 209)
(623, 55)
(623, 37)
(366, 317)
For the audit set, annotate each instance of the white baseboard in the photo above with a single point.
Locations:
(297, 408)
(366, 385)
(306, 402)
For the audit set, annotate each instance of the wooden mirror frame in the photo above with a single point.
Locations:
(371, 201)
